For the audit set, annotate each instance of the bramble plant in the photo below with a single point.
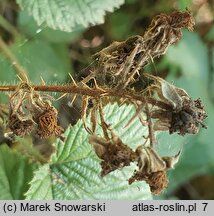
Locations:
(111, 151)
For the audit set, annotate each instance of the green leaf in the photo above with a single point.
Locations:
(210, 35)
(191, 55)
(75, 168)
(183, 4)
(40, 185)
(29, 27)
(120, 23)
(69, 15)
(40, 59)
(15, 174)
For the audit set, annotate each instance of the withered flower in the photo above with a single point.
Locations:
(157, 181)
(114, 153)
(28, 109)
(165, 30)
(152, 169)
(117, 64)
(48, 123)
(20, 120)
(184, 114)
(45, 116)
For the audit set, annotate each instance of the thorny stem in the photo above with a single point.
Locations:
(93, 92)
(11, 57)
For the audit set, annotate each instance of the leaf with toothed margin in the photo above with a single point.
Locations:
(69, 15)
(40, 185)
(15, 173)
(75, 169)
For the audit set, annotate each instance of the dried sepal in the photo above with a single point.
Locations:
(167, 92)
(152, 169)
(113, 153)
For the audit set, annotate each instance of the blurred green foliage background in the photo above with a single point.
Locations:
(52, 54)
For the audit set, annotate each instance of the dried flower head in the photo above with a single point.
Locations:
(19, 126)
(166, 30)
(114, 153)
(189, 119)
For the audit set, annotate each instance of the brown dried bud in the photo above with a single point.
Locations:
(114, 153)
